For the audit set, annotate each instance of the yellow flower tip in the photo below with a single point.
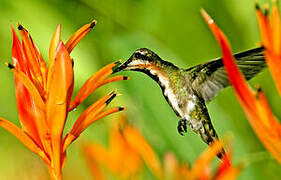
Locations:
(206, 16)
(113, 92)
(59, 27)
(9, 65)
(94, 22)
(266, 9)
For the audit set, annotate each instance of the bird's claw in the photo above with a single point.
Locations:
(182, 126)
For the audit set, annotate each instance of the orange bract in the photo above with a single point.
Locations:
(254, 103)
(270, 29)
(43, 96)
(128, 151)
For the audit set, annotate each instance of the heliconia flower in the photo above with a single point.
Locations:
(128, 151)
(201, 169)
(254, 103)
(43, 96)
(125, 156)
(270, 30)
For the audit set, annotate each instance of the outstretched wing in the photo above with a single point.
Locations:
(209, 78)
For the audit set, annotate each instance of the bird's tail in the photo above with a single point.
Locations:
(209, 135)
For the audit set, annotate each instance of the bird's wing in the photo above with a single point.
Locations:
(209, 78)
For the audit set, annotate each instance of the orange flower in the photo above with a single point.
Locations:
(254, 103)
(201, 168)
(43, 96)
(125, 155)
(128, 151)
(270, 29)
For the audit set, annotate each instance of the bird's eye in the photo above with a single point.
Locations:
(138, 55)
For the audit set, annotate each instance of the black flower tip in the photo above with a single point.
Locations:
(125, 77)
(93, 24)
(110, 98)
(20, 27)
(266, 10)
(257, 6)
(10, 66)
(121, 108)
(258, 90)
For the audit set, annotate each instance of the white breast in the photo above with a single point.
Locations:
(168, 92)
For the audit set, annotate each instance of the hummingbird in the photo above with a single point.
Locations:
(188, 90)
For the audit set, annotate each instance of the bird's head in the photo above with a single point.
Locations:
(141, 59)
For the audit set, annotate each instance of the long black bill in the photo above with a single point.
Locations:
(122, 66)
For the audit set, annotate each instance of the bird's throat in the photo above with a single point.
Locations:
(157, 75)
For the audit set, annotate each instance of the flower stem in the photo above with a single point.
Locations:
(53, 174)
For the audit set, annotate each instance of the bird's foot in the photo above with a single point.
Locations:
(182, 126)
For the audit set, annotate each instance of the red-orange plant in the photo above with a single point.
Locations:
(128, 150)
(254, 102)
(43, 96)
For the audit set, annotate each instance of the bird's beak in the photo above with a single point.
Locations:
(124, 66)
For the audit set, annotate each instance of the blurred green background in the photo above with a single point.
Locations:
(173, 29)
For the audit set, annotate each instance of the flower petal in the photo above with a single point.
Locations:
(171, 166)
(276, 28)
(226, 170)
(30, 54)
(225, 165)
(241, 87)
(95, 154)
(128, 166)
(78, 35)
(106, 113)
(264, 25)
(271, 39)
(54, 44)
(58, 99)
(52, 52)
(28, 85)
(205, 158)
(24, 138)
(255, 105)
(89, 116)
(31, 106)
(70, 137)
(93, 117)
(42, 65)
(92, 83)
(121, 159)
(92, 111)
(18, 55)
(230, 174)
(112, 79)
(23, 98)
(137, 141)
